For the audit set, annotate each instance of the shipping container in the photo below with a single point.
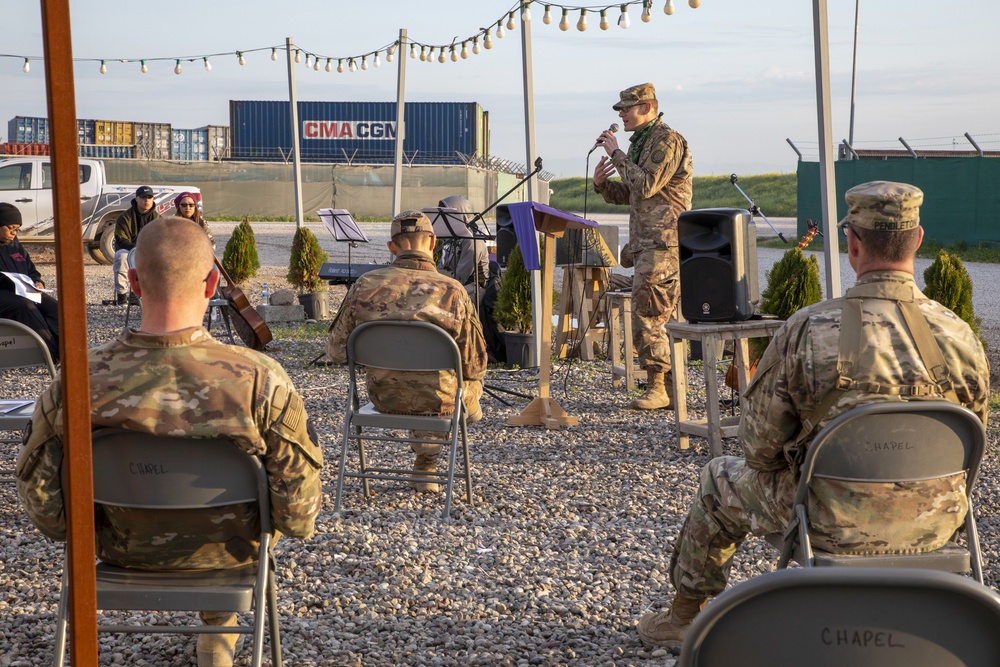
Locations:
(28, 130)
(153, 141)
(218, 141)
(114, 132)
(86, 131)
(106, 151)
(14, 148)
(190, 145)
(359, 132)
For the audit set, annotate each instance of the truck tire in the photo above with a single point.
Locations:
(106, 238)
(97, 255)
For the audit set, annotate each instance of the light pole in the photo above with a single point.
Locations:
(854, 73)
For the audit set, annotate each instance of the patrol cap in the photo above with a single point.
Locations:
(629, 97)
(883, 206)
(409, 222)
(144, 191)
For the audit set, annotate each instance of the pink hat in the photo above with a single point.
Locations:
(181, 196)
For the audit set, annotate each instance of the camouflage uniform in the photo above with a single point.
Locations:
(656, 184)
(755, 494)
(181, 384)
(412, 289)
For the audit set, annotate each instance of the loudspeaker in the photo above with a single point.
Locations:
(582, 247)
(718, 255)
(506, 239)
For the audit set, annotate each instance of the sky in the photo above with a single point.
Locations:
(736, 78)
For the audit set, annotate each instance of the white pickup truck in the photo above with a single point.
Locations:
(26, 182)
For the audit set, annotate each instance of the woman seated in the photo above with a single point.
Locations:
(41, 316)
(186, 206)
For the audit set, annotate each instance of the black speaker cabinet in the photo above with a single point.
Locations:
(581, 247)
(506, 239)
(718, 254)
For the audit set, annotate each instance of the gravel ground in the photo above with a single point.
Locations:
(567, 544)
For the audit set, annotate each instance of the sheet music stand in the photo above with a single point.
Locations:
(529, 217)
(450, 223)
(342, 225)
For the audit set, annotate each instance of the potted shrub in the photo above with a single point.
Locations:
(240, 256)
(303, 272)
(513, 312)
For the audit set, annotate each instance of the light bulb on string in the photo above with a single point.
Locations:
(208, 65)
(316, 64)
(647, 14)
(581, 25)
(694, 4)
(605, 23)
(488, 41)
(353, 67)
(475, 46)
(177, 68)
(240, 58)
(143, 68)
(27, 65)
(390, 53)
(329, 64)
(441, 55)
(423, 53)
(465, 50)
(500, 30)
(623, 21)
(454, 54)
(668, 8)
(104, 68)
(274, 53)
(298, 56)
(510, 21)
(308, 64)
(547, 16)
(377, 61)
(413, 50)
(364, 62)
(564, 21)
(430, 55)
(526, 12)
(340, 65)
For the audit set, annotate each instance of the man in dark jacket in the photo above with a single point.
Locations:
(127, 228)
(41, 315)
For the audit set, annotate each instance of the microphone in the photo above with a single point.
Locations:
(613, 129)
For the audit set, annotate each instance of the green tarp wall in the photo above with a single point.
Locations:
(961, 195)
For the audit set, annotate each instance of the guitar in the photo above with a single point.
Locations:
(250, 327)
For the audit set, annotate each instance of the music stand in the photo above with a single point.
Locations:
(342, 225)
(450, 223)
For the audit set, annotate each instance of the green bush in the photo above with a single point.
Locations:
(948, 283)
(306, 260)
(240, 257)
(513, 307)
(792, 284)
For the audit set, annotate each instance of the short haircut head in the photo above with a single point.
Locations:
(890, 246)
(172, 258)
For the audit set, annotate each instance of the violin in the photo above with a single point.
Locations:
(249, 325)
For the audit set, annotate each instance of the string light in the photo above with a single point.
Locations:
(623, 21)
(510, 21)
(413, 50)
(274, 54)
(377, 62)
(208, 65)
(441, 56)
(423, 53)
(340, 65)
(526, 12)
(488, 41)
(500, 30)
(353, 67)
(241, 59)
(316, 64)
(668, 8)
(27, 65)
(465, 50)
(390, 53)
(308, 64)
(298, 56)
(454, 54)
(104, 68)
(329, 64)
(364, 63)
(143, 69)
(605, 23)
(581, 25)
(564, 21)
(647, 14)
(475, 46)
(694, 4)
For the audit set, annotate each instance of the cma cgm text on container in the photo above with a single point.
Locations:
(359, 132)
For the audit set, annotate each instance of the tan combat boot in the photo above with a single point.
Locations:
(657, 395)
(668, 628)
(218, 650)
(426, 461)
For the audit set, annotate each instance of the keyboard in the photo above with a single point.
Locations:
(342, 273)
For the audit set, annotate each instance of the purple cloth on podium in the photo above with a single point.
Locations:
(531, 216)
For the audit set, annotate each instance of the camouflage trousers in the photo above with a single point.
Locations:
(733, 501)
(473, 392)
(656, 289)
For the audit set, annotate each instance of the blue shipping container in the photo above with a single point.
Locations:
(85, 130)
(190, 145)
(359, 132)
(103, 151)
(28, 130)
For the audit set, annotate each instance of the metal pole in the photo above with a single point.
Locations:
(397, 171)
(74, 371)
(979, 151)
(794, 148)
(296, 152)
(854, 74)
(529, 158)
(827, 176)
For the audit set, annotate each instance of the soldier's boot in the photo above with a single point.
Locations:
(426, 461)
(218, 650)
(657, 395)
(668, 628)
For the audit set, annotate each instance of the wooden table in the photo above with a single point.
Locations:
(712, 336)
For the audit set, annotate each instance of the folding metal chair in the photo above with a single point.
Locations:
(20, 347)
(402, 346)
(862, 617)
(191, 474)
(890, 442)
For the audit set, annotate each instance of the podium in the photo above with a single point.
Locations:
(529, 218)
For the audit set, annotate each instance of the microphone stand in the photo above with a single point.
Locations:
(754, 209)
